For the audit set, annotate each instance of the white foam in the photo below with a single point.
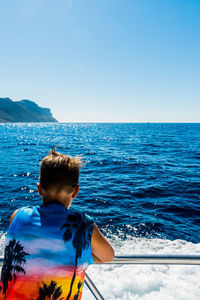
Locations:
(144, 282)
(147, 282)
(2, 240)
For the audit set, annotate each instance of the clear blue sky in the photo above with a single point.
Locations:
(103, 60)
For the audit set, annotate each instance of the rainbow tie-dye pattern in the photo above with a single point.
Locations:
(46, 252)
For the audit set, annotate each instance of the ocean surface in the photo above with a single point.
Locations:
(141, 184)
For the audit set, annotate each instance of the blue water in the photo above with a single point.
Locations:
(139, 179)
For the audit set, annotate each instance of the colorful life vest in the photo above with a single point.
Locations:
(46, 252)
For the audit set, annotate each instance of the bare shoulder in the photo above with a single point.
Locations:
(13, 215)
(100, 246)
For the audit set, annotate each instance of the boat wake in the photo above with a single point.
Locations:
(147, 282)
(144, 282)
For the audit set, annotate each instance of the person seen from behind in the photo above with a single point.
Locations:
(48, 247)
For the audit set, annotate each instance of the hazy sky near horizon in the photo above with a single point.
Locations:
(103, 61)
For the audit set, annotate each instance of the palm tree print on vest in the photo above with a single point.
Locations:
(77, 295)
(14, 256)
(80, 226)
(50, 292)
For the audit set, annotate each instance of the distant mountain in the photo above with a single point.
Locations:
(23, 111)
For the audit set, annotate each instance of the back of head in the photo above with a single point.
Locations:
(59, 171)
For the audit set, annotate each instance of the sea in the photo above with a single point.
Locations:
(139, 181)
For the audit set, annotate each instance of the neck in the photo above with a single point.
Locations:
(48, 201)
